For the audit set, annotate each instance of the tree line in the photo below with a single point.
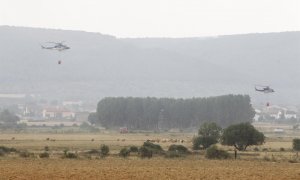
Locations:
(165, 113)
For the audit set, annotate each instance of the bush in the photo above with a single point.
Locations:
(71, 155)
(25, 154)
(145, 152)
(7, 149)
(178, 148)
(104, 150)
(282, 149)
(124, 152)
(154, 148)
(46, 148)
(296, 144)
(201, 142)
(214, 153)
(256, 149)
(134, 149)
(2, 153)
(44, 155)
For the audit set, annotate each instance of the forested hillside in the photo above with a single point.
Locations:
(99, 66)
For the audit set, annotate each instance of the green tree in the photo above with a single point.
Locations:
(241, 136)
(209, 133)
(210, 130)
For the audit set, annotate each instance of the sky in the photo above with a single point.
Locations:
(155, 18)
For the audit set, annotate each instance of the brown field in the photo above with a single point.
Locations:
(156, 168)
(267, 163)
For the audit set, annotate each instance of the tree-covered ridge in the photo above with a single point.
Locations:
(163, 113)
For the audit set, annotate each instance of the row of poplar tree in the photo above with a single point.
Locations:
(165, 113)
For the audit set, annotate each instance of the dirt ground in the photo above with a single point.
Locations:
(135, 168)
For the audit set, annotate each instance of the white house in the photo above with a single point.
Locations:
(57, 113)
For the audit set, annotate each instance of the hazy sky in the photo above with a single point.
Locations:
(159, 18)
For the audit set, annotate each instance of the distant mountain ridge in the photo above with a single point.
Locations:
(100, 65)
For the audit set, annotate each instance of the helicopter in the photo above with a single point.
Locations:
(59, 46)
(264, 89)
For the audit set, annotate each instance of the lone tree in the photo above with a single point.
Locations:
(209, 133)
(241, 136)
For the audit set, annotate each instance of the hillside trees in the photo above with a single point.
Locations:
(165, 113)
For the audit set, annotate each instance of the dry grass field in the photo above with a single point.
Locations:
(266, 163)
(156, 168)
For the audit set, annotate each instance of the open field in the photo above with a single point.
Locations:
(269, 162)
(156, 168)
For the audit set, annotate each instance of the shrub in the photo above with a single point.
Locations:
(46, 148)
(25, 154)
(296, 144)
(214, 153)
(134, 149)
(201, 142)
(282, 149)
(145, 152)
(154, 148)
(7, 149)
(2, 153)
(104, 150)
(44, 155)
(71, 155)
(124, 152)
(178, 148)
